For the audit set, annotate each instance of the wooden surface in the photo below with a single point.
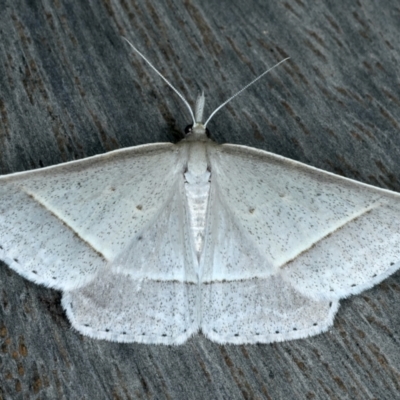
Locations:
(70, 87)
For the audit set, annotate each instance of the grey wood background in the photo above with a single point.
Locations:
(71, 88)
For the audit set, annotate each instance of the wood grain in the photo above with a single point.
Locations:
(70, 87)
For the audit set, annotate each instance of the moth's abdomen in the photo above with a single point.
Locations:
(197, 198)
(197, 190)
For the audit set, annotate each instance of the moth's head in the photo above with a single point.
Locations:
(198, 128)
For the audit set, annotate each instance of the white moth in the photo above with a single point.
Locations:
(153, 243)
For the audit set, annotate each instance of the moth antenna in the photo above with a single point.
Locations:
(165, 79)
(243, 89)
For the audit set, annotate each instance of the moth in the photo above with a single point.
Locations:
(157, 242)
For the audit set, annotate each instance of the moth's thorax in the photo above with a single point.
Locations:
(197, 189)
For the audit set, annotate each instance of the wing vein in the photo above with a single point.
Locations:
(63, 221)
(345, 222)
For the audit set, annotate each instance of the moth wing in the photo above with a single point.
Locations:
(314, 235)
(149, 293)
(61, 225)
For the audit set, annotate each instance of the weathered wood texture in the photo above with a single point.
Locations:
(71, 88)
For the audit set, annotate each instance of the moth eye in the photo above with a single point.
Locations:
(188, 129)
